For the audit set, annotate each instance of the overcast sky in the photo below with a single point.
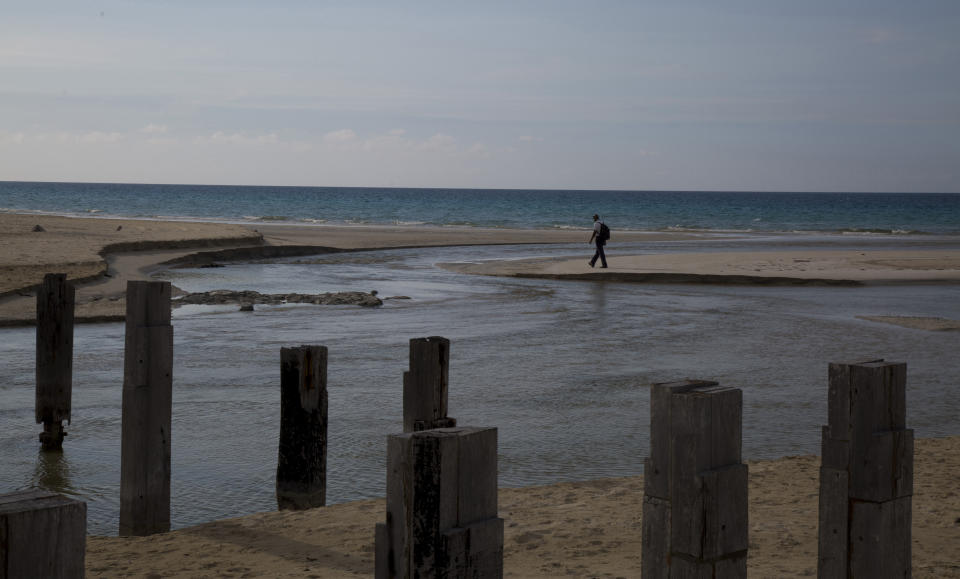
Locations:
(835, 95)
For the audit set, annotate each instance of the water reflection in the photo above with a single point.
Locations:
(598, 297)
(52, 472)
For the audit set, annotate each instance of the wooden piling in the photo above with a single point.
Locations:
(695, 496)
(866, 474)
(55, 306)
(425, 385)
(147, 411)
(42, 534)
(441, 506)
(302, 461)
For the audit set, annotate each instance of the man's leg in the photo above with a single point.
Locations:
(603, 257)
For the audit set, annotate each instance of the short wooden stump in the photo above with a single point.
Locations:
(42, 534)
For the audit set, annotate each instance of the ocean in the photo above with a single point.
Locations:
(561, 368)
(855, 213)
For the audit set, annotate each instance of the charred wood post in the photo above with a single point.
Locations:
(302, 460)
(55, 305)
(441, 506)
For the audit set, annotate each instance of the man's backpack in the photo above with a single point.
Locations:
(604, 232)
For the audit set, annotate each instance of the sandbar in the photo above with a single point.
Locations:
(807, 267)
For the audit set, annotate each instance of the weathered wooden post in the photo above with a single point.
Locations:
(425, 385)
(147, 410)
(866, 474)
(441, 506)
(695, 496)
(55, 304)
(302, 462)
(42, 534)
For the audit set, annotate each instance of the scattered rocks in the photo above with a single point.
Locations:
(38, 228)
(250, 297)
(246, 307)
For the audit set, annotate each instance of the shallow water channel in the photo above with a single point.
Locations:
(563, 369)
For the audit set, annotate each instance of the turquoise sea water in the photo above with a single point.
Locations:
(561, 368)
(633, 210)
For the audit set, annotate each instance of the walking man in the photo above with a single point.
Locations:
(600, 235)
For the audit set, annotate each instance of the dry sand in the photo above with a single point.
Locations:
(588, 529)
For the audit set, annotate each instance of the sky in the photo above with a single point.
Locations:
(778, 95)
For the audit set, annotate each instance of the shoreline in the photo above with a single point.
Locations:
(101, 254)
(591, 528)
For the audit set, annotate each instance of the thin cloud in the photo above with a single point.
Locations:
(439, 143)
(12, 138)
(153, 129)
(240, 139)
(341, 136)
(87, 138)
(480, 150)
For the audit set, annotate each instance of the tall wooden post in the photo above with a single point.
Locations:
(55, 304)
(441, 506)
(695, 496)
(866, 474)
(425, 385)
(302, 461)
(42, 534)
(147, 410)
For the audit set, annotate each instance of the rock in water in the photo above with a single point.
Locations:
(250, 297)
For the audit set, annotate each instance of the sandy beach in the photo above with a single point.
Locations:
(586, 529)
(101, 255)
